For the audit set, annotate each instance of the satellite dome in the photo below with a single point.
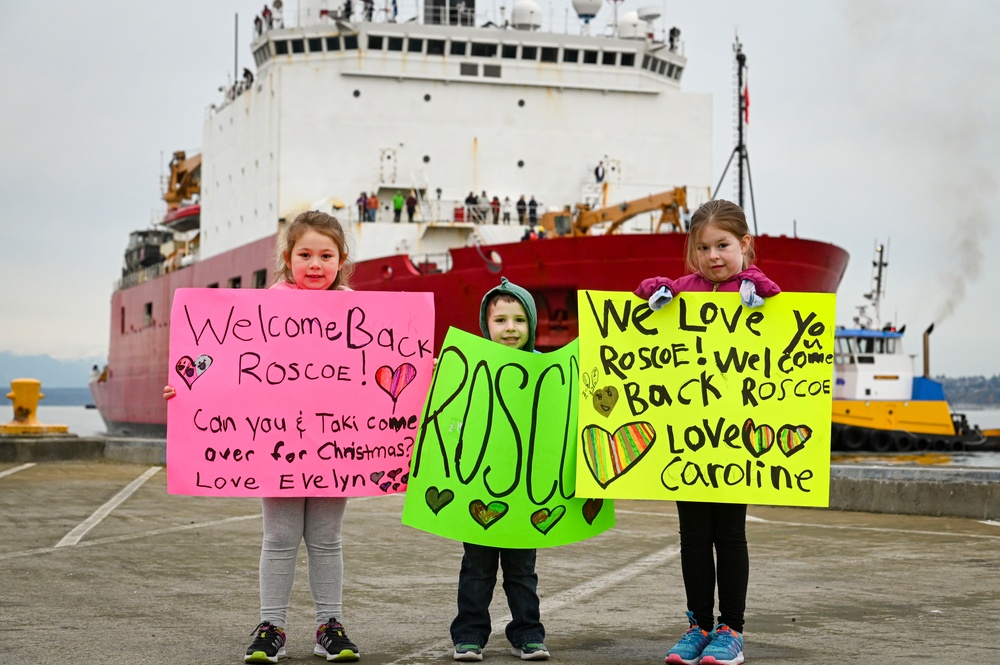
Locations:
(630, 26)
(526, 15)
(587, 9)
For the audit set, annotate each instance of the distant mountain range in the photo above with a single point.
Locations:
(51, 372)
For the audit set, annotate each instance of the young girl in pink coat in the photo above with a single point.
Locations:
(714, 553)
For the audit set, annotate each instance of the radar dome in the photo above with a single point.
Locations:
(648, 13)
(630, 26)
(526, 15)
(587, 9)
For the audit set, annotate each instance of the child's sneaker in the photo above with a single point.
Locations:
(468, 651)
(530, 651)
(689, 648)
(332, 643)
(726, 647)
(268, 645)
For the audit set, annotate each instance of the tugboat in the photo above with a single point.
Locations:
(878, 402)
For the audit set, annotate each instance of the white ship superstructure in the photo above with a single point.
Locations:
(446, 103)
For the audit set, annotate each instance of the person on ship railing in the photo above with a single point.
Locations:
(599, 172)
(266, 14)
(522, 208)
(369, 9)
(533, 211)
(506, 209)
(470, 208)
(411, 206)
(348, 9)
(483, 206)
(258, 25)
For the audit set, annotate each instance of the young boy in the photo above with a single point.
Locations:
(507, 316)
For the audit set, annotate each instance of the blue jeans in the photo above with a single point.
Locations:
(476, 582)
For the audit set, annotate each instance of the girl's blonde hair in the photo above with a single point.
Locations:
(321, 223)
(727, 216)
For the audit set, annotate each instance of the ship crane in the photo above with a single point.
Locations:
(579, 222)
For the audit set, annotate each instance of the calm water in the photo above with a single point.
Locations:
(87, 422)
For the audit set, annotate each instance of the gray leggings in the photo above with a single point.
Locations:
(286, 522)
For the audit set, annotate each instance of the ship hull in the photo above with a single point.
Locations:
(553, 270)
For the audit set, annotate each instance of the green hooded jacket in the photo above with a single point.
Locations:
(509, 288)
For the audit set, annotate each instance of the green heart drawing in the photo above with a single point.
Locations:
(487, 515)
(544, 519)
(437, 500)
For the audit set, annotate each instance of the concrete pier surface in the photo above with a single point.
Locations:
(99, 564)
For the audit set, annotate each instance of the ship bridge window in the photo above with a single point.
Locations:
(262, 54)
(492, 71)
(481, 50)
(571, 55)
(435, 47)
(458, 48)
(550, 54)
(333, 43)
(628, 60)
(298, 46)
(281, 47)
(350, 42)
(609, 58)
(509, 51)
(468, 69)
(677, 73)
(395, 43)
(590, 57)
(374, 42)
(529, 53)
(259, 279)
(315, 44)
(662, 67)
(670, 70)
(645, 61)
(415, 45)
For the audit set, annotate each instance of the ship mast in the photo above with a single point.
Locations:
(740, 149)
(864, 319)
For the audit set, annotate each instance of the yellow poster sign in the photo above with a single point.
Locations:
(705, 399)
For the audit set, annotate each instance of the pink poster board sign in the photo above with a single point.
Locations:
(295, 393)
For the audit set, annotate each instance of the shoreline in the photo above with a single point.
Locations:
(862, 485)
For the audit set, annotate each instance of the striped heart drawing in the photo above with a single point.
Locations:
(610, 455)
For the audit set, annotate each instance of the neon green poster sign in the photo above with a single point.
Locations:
(495, 458)
(705, 399)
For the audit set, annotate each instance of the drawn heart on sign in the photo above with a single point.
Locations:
(392, 381)
(544, 519)
(190, 370)
(791, 438)
(376, 476)
(605, 399)
(591, 508)
(758, 440)
(487, 515)
(385, 486)
(395, 472)
(405, 478)
(610, 455)
(436, 500)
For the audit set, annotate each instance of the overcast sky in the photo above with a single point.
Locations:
(870, 121)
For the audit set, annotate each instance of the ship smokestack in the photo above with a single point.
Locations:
(927, 351)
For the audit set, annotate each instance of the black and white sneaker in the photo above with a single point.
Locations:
(268, 644)
(332, 643)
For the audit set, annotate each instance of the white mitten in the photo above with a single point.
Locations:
(748, 294)
(660, 298)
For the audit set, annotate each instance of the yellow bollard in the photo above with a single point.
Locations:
(26, 394)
